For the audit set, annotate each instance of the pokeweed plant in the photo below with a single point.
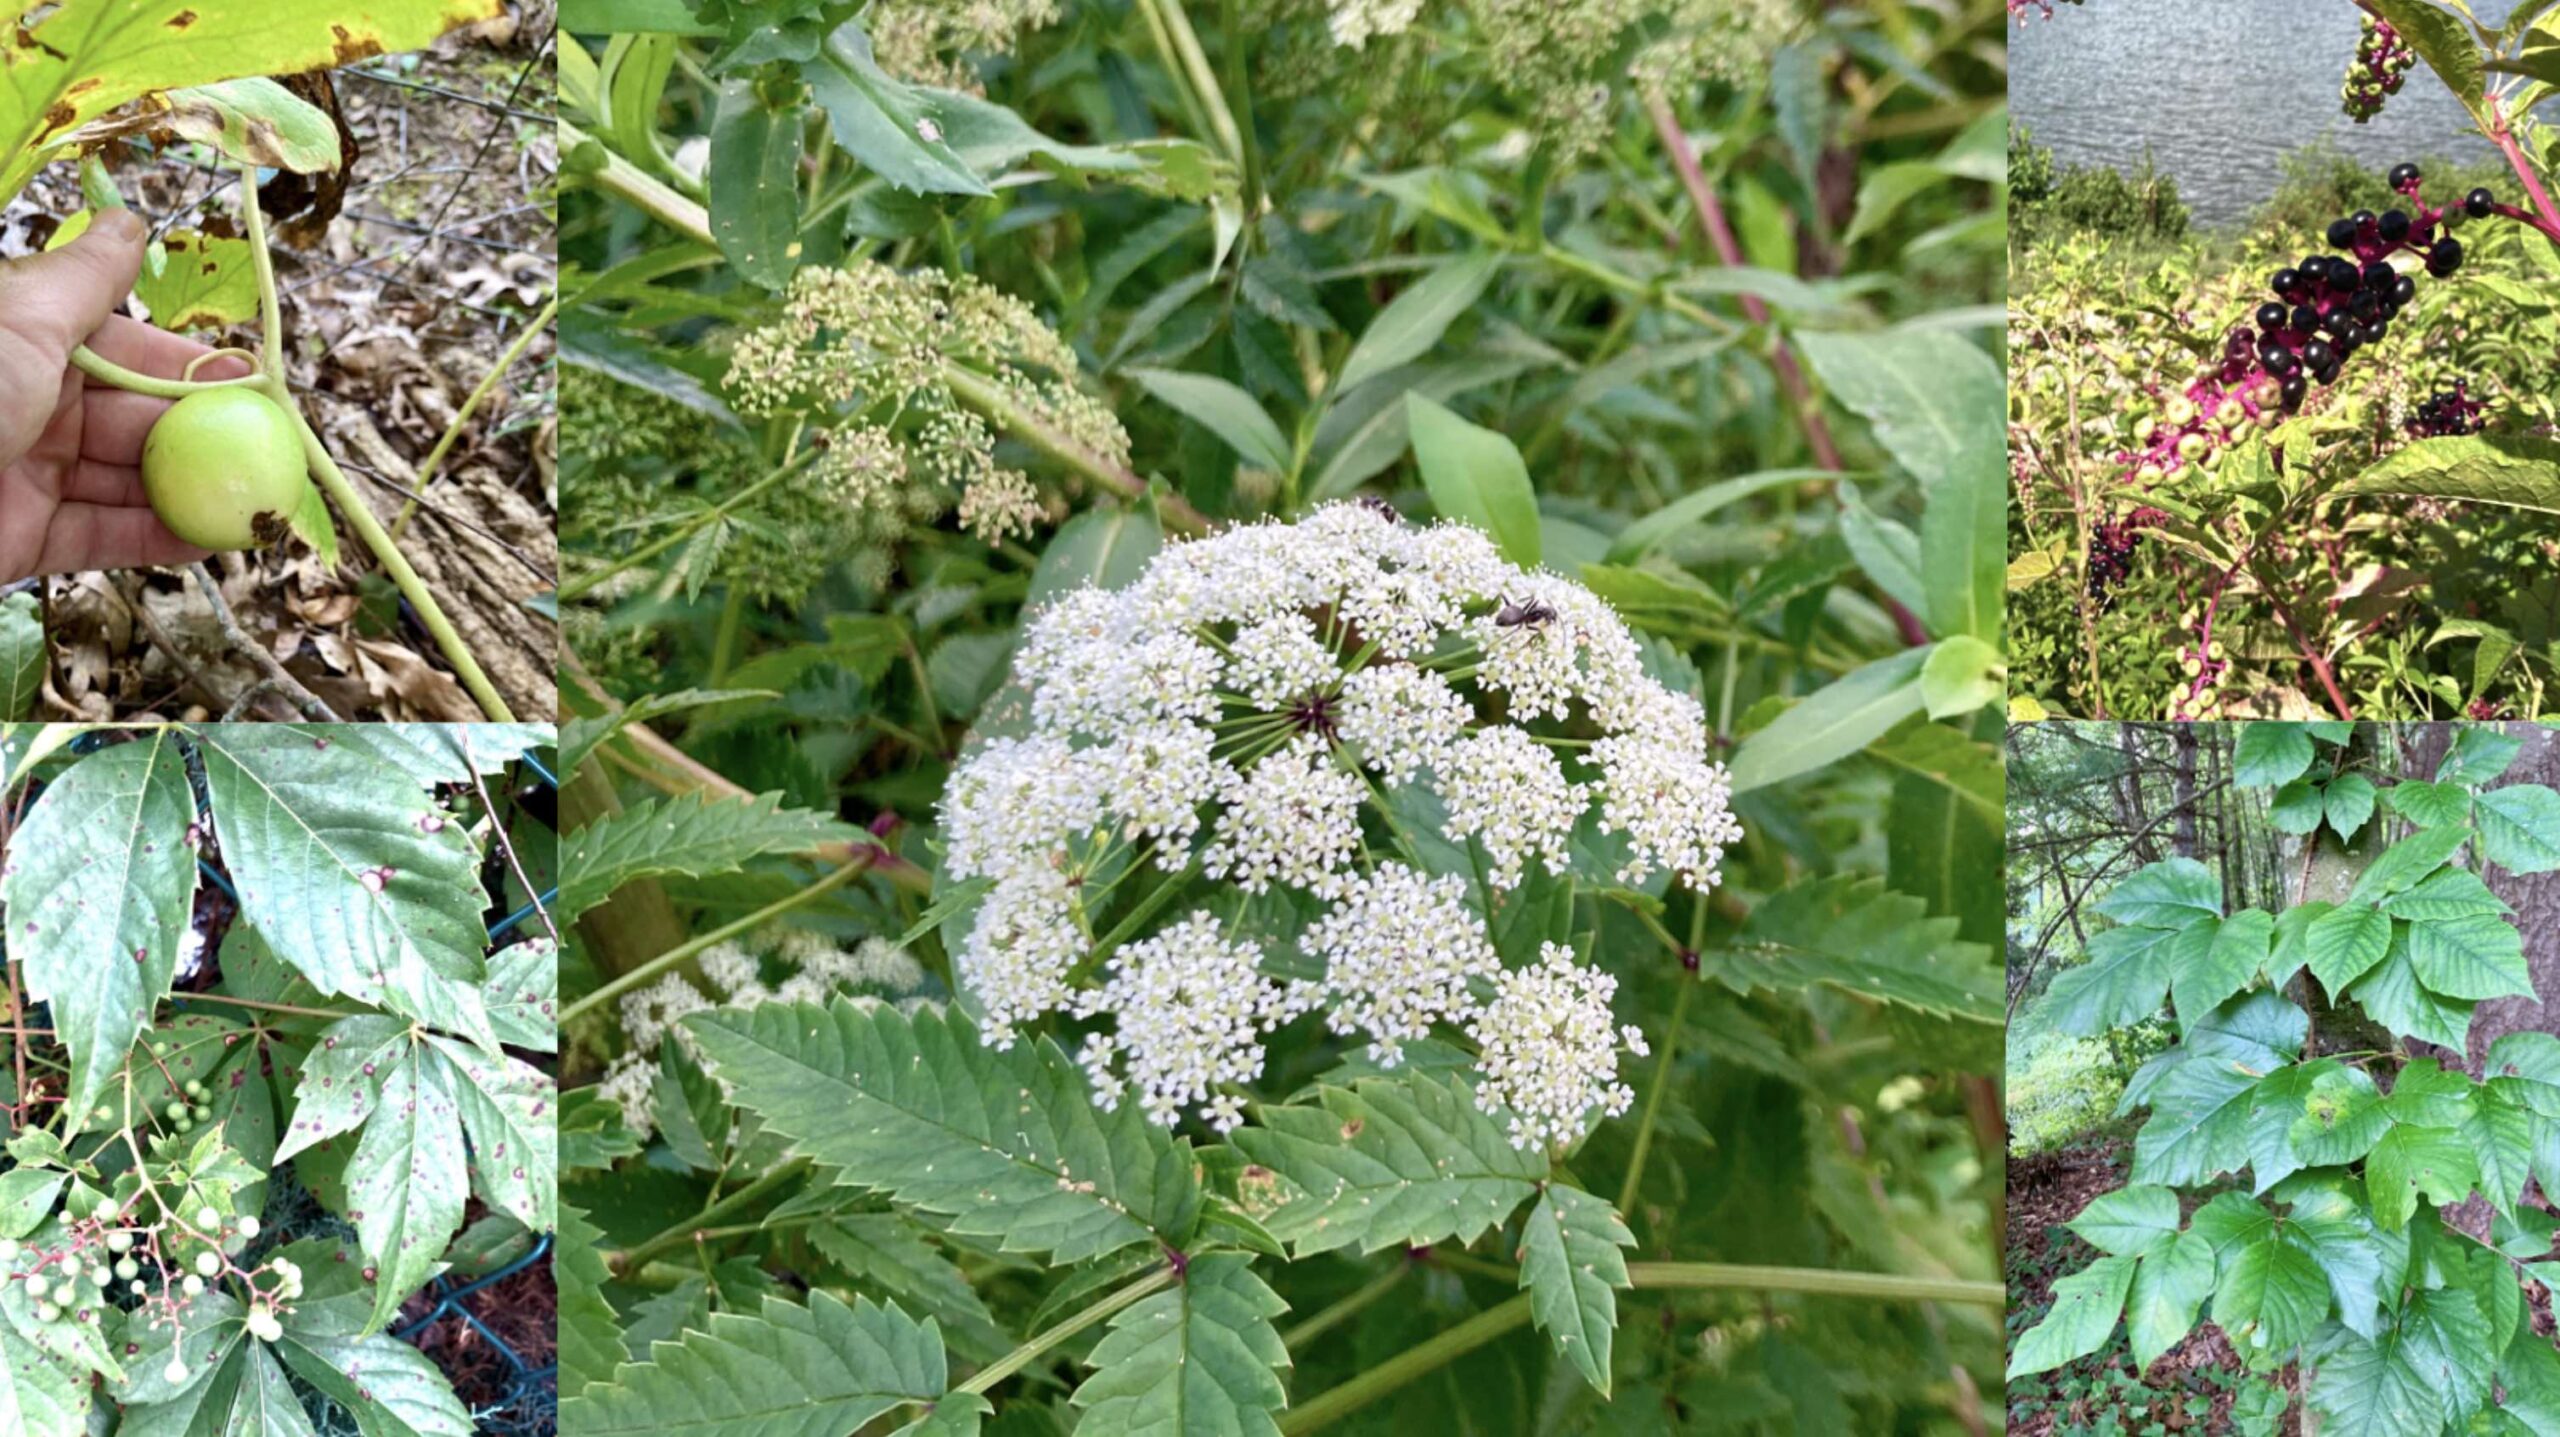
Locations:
(2246, 456)
(93, 81)
(260, 1059)
(2329, 1239)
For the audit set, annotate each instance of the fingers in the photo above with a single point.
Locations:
(92, 536)
(109, 486)
(148, 349)
(116, 423)
(54, 300)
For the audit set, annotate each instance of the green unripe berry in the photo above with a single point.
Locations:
(224, 469)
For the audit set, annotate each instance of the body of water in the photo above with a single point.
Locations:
(2220, 91)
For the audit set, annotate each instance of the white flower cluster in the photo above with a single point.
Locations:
(871, 969)
(1356, 22)
(1550, 1053)
(1248, 711)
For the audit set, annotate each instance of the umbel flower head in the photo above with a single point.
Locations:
(1308, 717)
(871, 355)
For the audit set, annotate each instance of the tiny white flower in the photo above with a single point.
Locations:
(1549, 1050)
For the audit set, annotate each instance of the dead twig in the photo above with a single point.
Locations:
(268, 664)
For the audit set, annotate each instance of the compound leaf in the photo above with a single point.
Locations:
(1200, 1359)
(1403, 1161)
(2345, 943)
(1007, 1143)
(1570, 1263)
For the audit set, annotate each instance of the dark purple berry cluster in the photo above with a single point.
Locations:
(2324, 309)
(2380, 68)
(2111, 552)
(2453, 412)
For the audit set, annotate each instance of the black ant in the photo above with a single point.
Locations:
(1528, 615)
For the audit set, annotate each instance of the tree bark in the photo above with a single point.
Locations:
(2535, 898)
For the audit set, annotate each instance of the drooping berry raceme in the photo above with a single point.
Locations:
(2322, 311)
(2111, 551)
(2379, 69)
(149, 1255)
(2450, 413)
(1304, 715)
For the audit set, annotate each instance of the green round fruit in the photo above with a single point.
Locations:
(224, 469)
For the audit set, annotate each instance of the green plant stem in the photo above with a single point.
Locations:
(471, 405)
(251, 1003)
(736, 1202)
(1021, 1357)
(854, 868)
(1653, 1100)
(107, 371)
(1886, 1286)
(1343, 1311)
(1334, 1404)
(1331, 1406)
(588, 583)
(333, 482)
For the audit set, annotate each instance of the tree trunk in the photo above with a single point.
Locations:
(2535, 898)
(2186, 795)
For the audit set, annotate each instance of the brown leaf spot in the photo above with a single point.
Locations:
(181, 20)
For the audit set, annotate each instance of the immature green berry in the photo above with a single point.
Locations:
(208, 1264)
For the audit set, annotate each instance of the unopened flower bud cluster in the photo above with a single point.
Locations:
(1564, 59)
(1247, 712)
(819, 967)
(932, 41)
(868, 353)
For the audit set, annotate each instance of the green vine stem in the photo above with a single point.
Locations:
(453, 432)
(106, 371)
(674, 957)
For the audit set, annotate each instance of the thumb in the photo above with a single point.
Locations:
(57, 299)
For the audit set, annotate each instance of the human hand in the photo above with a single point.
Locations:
(71, 449)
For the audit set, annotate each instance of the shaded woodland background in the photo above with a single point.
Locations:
(2089, 803)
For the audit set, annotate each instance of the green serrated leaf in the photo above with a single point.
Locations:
(1854, 935)
(99, 889)
(407, 1180)
(2411, 1162)
(1403, 1161)
(350, 873)
(388, 1386)
(2268, 754)
(1571, 1265)
(591, 1343)
(2169, 894)
(2343, 944)
(2520, 827)
(1200, 1359)
(692, 834)
(2478, 957)
(823, 1368)
(1008, 1143)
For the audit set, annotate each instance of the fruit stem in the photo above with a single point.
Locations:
(2503, 136)
(453, 432)
(342, 493)
(106, 371)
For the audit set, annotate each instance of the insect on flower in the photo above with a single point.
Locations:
(1529, 615)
